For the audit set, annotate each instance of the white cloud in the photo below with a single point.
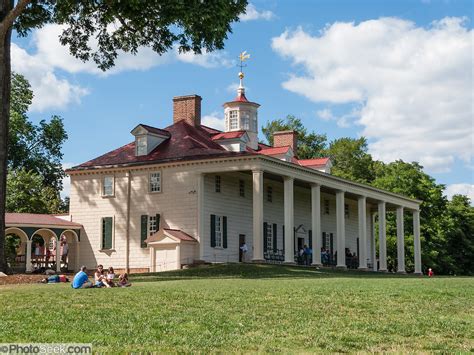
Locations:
(206, 59)
(460, 189)
(251, 14)
(214, 120)
(52, 91)
(411, 85)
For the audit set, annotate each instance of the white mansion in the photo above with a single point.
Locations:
(188, 193)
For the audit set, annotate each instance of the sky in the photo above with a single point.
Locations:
(399, 73)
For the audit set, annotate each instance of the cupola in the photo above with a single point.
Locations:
(242, 114)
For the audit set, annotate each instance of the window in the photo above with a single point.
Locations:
(141, 146)
(233, 120)
(254, 123)
(218, 231)
(217, 183)
(241, 188)
(155, 182)
(108, 186)
(346, 210)
(326, 206)
(269, 194)
(245, 117)
(107, 225)
(269, 236)
(152, 224)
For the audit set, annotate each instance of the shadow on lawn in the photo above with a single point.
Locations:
(259, 271)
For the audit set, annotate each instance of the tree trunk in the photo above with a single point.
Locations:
(5, 82)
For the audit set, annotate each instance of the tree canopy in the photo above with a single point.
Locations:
(35, 148)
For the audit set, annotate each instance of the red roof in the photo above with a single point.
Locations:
(228, 135)
(274, 151)
(186, 142)
(38, 219)
(241, 98)
(313, 162)
(179, 234)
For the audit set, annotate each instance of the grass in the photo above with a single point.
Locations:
(241, 308)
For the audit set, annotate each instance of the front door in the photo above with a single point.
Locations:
(241, 242)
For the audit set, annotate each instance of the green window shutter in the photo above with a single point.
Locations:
(310, 237)
(323, 240)
(331, 243)
(264, 237)
(158, 218)
(275, 238)
(144, 230)
(224, 232)
(295, 247)
(213, 231)
(107, 233)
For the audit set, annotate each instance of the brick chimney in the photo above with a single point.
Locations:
(286, 138)
(187, 108)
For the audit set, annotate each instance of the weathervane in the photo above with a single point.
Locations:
(242, 57)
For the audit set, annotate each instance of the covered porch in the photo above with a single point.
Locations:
(36, 241)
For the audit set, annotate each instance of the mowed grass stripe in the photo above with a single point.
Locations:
(248, 308)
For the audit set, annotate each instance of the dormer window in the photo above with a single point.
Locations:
(148, 138)
(141, 145)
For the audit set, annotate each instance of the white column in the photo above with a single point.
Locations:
(178, 256)
(78, 253)
(28, 256)
(200, 215)
(288, 183)
(374, 243)
(58, 255)
(152, 259)
(362, 209)
(382, 237)
(257, 215)
(340, 230)
(400, 241)
(416, 235)
(316, 223)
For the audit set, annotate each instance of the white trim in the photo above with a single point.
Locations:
(112, 248)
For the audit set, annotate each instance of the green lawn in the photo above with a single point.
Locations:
(249, 308)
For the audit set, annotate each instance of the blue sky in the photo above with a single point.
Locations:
(397, 72)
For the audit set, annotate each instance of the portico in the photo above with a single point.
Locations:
(368, 201)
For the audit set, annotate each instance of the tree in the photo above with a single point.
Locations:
(459, 229)
(350, 159)
(310, 145)
(190, 25)
(30, 147)
(28, 193)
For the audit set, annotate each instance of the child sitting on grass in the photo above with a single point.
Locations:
(123, 280)
(111, 277)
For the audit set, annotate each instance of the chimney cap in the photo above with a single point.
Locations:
(285, 132)
(186, 97)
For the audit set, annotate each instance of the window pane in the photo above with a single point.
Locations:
(108, 188)
(141, 146)
(155, 182)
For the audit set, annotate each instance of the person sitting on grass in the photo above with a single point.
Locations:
(81, 280)
(111, 276)
(54, 279)
(100, 278)
(123, 280)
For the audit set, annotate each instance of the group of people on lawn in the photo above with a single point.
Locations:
(101, 278)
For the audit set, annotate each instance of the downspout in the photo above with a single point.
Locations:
(127, 233)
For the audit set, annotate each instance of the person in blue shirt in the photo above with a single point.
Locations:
(81, 280)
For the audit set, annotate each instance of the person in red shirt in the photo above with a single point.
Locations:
(430, 272)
